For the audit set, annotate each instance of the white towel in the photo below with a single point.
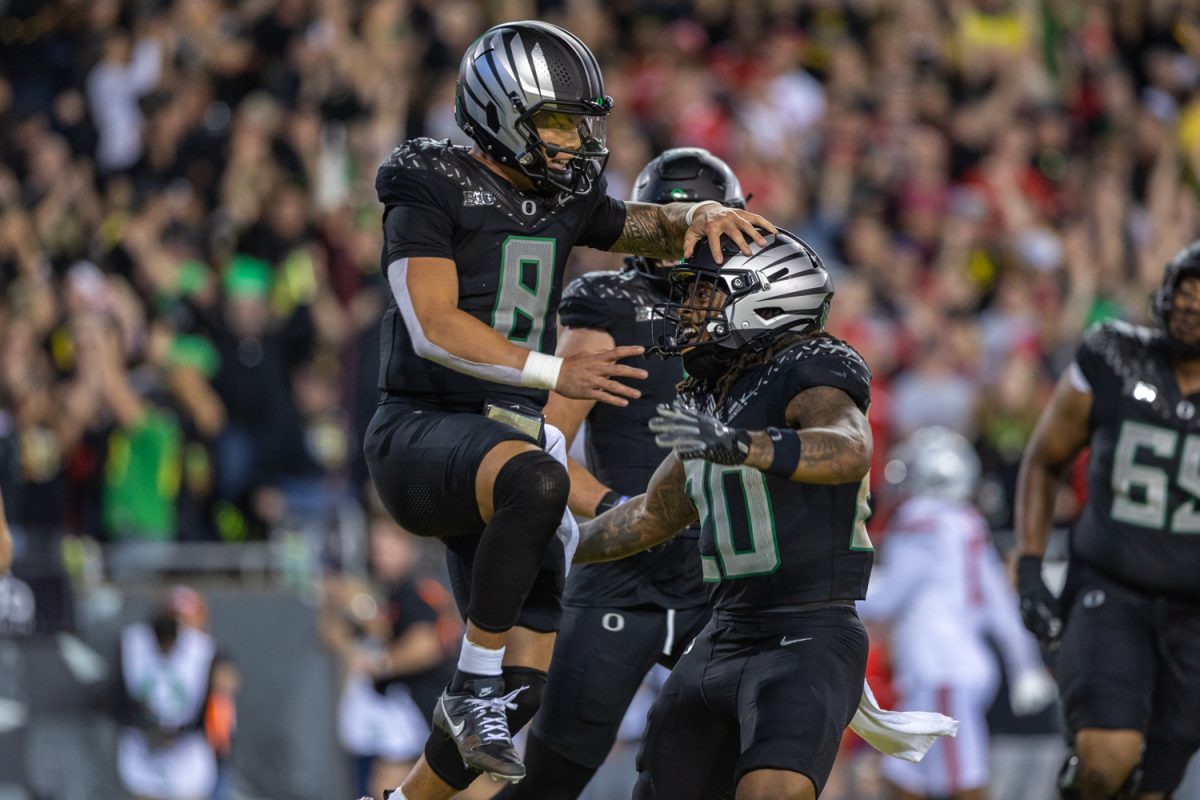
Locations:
(903, 734)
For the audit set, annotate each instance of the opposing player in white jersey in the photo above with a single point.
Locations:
(942, 590)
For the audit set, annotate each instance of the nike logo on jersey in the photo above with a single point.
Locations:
(785, 641)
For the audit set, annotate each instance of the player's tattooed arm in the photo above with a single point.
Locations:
(653, 231)
(835, 438)
(646, 520)
(665, 231)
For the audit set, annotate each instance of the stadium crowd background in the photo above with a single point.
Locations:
(189, 236)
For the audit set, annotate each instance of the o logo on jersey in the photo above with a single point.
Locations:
(1185, 410)
(612, 622)
(528, 208)
(1094, 598)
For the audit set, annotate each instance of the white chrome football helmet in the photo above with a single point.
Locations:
(934, 462)
(751, 300)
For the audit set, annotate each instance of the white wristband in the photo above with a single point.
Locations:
(691, 212)
(541, 371)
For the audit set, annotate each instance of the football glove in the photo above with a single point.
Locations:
(1040, 609)
(694, 434)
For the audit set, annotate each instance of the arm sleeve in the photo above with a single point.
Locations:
(839, 371)
(605, 220)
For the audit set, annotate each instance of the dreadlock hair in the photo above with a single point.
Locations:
(746, 359)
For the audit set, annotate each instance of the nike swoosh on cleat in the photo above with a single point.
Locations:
(785, 641)
(455, 730)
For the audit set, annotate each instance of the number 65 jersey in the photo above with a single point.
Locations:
(768, 543)
(1141, 522)
(509, 249)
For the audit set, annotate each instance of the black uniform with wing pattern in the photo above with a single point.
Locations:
(1141, 522)
(509, 249)
(620, 450)
(767, 542)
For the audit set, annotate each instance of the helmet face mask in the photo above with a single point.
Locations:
(529, 93)
(748, 301)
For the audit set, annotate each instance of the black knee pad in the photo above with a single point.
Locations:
(530, 496)
(529, 700)
(532, 483)
(442, 754)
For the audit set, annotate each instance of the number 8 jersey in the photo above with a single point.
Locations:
(509, 249)
(1141, 522)
(767, 542)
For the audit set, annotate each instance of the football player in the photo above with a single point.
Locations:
(1129, 656)
(475, 244)
(619, 618)
(943, 590)
(770, 452)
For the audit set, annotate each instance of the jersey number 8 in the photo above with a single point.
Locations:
(523, 297)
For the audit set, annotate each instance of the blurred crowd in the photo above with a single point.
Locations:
(189, 235)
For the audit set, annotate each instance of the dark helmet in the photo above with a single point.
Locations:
(1185, 263)
(782, 287)
(519, 76)
(684, 175)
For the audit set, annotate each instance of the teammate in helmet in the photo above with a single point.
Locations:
(476, 242)
(620, 618)
(942, 590)
(770, 451)
(1131, 606)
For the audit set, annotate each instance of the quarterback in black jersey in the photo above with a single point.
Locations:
(770, 451)
(475, 244)
(1128, 621)
(621, 617)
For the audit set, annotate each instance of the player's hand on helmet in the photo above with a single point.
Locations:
(1040, 610)
(712, 220)
(694, 434)
(592, 376)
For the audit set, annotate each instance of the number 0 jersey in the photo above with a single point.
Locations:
(1141, 522)
(767, 542)
(509, 249)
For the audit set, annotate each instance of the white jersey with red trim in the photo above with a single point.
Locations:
(941, 585)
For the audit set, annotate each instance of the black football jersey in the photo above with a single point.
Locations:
(767, 542)
(509, 249)
(1141, 522)
(621, 451)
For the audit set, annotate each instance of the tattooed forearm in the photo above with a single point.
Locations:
(835, 439)
(642, 522)
(615, 534)
(653, 231)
